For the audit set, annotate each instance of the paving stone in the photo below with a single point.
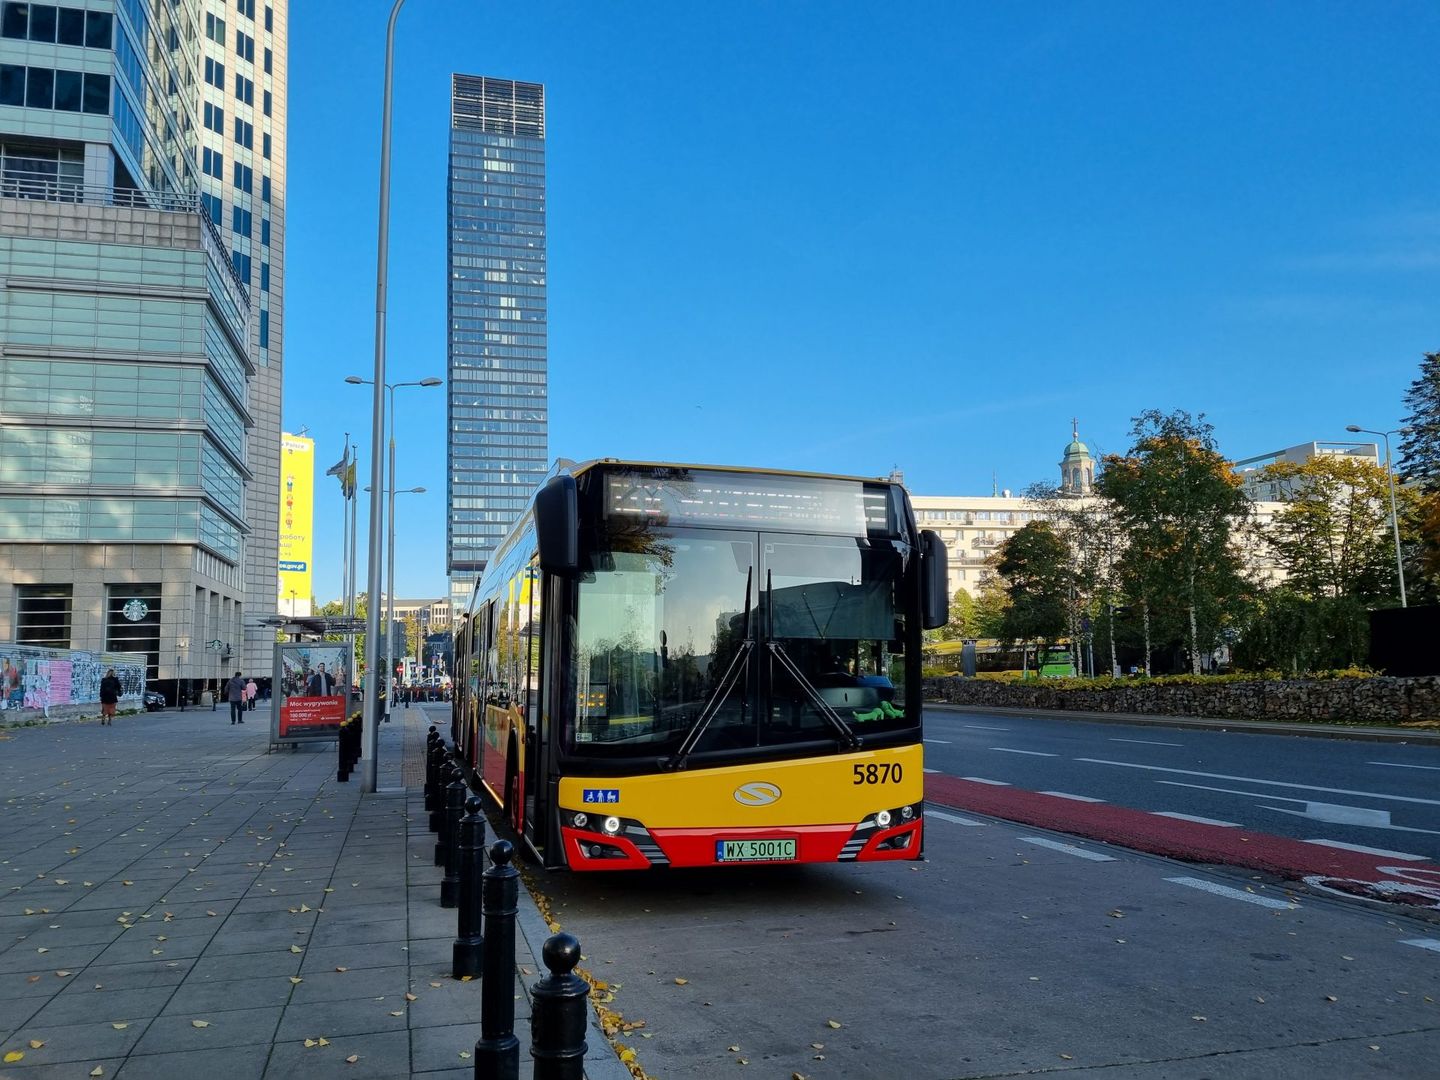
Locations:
(82, 1002)
(381, 1056)
(439, 1047)
(390, 982)
(75, 1042)
(246, 1062)
(198, 995)
(237, 1027)
(349, 1016)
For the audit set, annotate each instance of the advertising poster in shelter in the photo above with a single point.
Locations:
(312, 686)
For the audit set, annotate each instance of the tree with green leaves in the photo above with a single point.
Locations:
(990, 607)
(1035, 563)
(962, 620)
(1333, 537)
(1178, 503)
(1420, 447)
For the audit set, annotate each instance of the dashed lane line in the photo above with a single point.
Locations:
(1268, 783)
(1404, 856)
(954, 819)
(1398, 765)
(982, 727)
(1433, 944)
(1148, 742)
(1232, 894)
(1074, 798)
(939, 742)
(1028, 753)
(1198, 820)
(1067, 849)
(982, 780)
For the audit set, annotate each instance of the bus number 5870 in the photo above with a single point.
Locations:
(885, 772)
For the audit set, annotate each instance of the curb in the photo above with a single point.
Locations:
(534, 930)
(1316, 730)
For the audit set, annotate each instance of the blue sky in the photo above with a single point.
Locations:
(846, 237)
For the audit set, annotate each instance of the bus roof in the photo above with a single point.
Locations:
(576, 468)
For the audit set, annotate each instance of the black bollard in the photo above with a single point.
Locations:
(454, 811)
(469, 933)
(431, 738)
(439, 819)
(436, 804)
(342, 740)
(497, 1051)
(557, 1013)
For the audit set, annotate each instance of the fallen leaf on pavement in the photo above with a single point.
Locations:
(296, 948)
(342, 969)
(324, 1042)
(97, 1071)
(119, 1027)
(296, 979)
(200, 1023)
(352, 1059)
(833, 1023)
(35, 1044)
(681, 982)
(411, 997)
(14, 1055)
(397, 1012)
(465, 1054)
(309, 1042)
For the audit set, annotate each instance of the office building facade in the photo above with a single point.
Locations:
(141, 243)
(497, 446)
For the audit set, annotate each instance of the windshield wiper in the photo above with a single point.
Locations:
(848, 738)
(739, 663)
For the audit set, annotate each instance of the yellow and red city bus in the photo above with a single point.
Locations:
(674, 665)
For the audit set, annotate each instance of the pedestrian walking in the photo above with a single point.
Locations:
(250, 691)
(235, 695)
(109, 698)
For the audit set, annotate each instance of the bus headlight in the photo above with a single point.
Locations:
(907, 813)
(581, 820)
(612, 825)
(883, 819)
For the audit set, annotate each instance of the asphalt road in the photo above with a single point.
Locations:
(1009, 951)
(1374, 796)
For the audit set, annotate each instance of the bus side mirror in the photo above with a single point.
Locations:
(557, 525)
(935, 573)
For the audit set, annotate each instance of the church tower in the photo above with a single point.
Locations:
(1077, 467)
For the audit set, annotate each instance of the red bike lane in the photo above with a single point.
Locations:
(1370, 875)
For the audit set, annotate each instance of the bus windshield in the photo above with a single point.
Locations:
(737, 639)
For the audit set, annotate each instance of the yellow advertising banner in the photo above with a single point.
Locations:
(297, 521)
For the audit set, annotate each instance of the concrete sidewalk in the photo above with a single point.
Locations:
(176, 901)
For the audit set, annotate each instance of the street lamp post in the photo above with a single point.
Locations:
(390, 593)
(355, 380)
(1394, 514)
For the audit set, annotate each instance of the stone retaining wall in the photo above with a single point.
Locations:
(1380, 700)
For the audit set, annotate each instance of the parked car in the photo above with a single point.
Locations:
(155, 700)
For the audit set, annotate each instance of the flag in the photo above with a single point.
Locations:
(344, 470)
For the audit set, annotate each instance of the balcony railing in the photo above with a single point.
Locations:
(23, 179)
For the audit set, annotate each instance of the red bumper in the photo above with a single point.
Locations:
(589, 850)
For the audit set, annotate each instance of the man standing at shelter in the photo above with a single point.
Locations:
(235, 694)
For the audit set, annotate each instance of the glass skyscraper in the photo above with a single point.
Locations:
(142, 179)
(497, 350)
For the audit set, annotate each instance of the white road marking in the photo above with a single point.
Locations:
(1397, 765)
(1199, 820)
(930, 770)
(982, 727)
(1068, 849)
(1148, 742)
(1405, 855)
(953, 818)
(939, 742)
(982, 780)
(1433, 944)
(1228, 791)
(1029, 753)
(1338, 814)
(1233, 894)
(1269, 783)
(1067, 795)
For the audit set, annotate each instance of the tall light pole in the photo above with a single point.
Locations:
(1394, 515)
(390, 593)
(355, 380)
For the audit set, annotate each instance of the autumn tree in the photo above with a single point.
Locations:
(1178, 502)
(1035, 563)
(990, 607)
(1333, 537)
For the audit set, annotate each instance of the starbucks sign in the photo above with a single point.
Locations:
(135, 610)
